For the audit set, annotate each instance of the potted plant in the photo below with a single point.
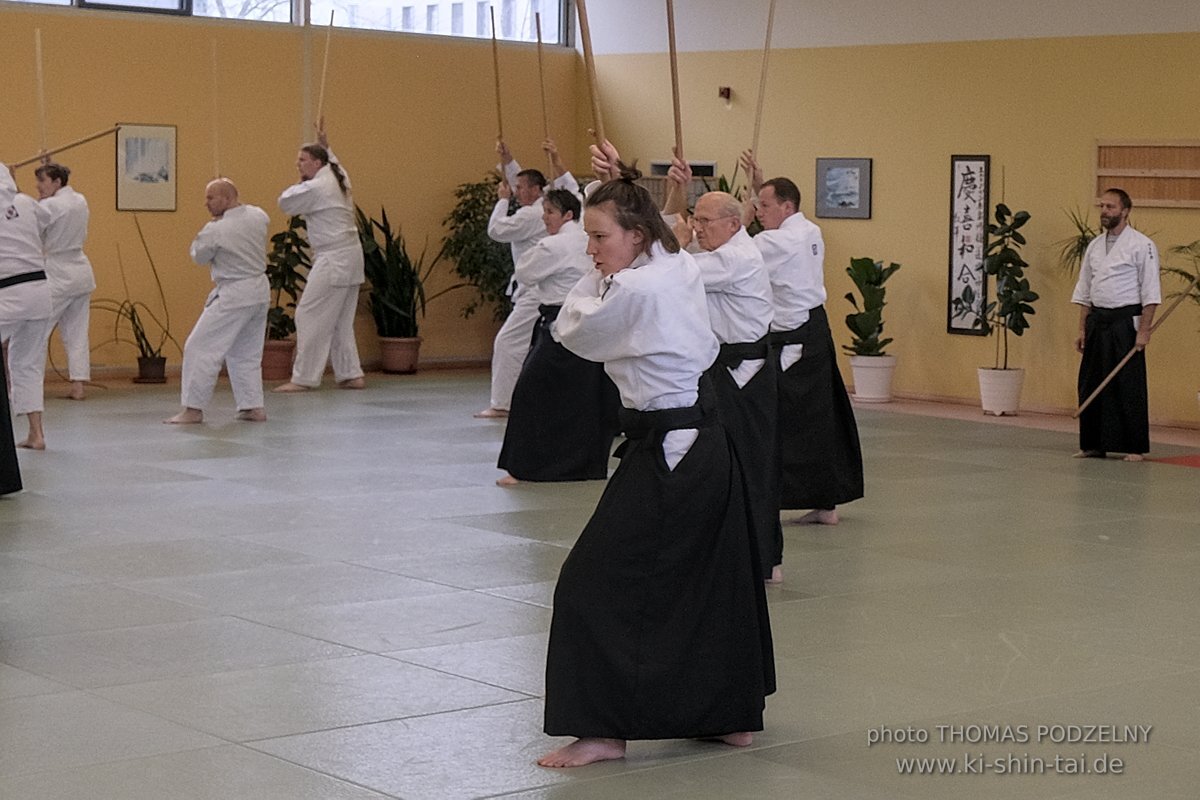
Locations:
(1072, 249)
(481, 262)
(1191, 251)
(397, 294)
(872, 367)
(1000, 386)
(288, 264)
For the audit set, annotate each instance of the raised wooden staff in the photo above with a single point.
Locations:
(1121, 364)
(324, 70)
(585, 36)
(676, 198)
(215, 106)
(496, 74)
(41, 86)
(66, 146)
(537, 19)
(762, 81)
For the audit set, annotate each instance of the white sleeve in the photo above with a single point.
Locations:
(599, 320)
(716, 272)
(538, 263)
(1083, 285)
(300, 198)
(1151, 290)
(206, 244)
(566, 181)
(525, 224)
(510, 171)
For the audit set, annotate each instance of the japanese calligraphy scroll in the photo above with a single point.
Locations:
(968, 241)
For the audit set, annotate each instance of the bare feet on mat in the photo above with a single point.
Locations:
(290, 388)
(737, 739)
(820, 516)
(352, 383)
(189, 416)
(776, 575)
(1089, 454)
(76, 392)
(1133, 458)
(584, 751)
(507, 480)
(252, 415)
(32, 443)
(492, 413)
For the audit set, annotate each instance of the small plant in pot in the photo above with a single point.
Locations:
(397, 295)
(288, 264)
(1000, 386)
(873, 368)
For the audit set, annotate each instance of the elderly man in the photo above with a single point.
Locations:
(24, 312)
(68, 270)
(740, 310)
(232, 327)
(1118, 293)
(819, 453)
(517, 220)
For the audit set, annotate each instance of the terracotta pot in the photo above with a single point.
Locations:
(399, 355)
(873, 378)
(277, 359)
(1000, 390)
(151, 369)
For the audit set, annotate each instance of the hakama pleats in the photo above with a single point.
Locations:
(1118, 420)
(820, 459)
(660, 625)
(10, 470)
(564, 413)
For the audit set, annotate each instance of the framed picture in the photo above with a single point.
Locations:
(146, 179)
(968, 243)
(844, 188)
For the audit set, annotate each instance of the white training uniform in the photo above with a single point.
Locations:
(24, 307)
(521, 230)
(70, 276)
(738, 290)
(1126, 275)
(325, 314)
(648, 324)
(551, 268)
(232, 327)
(795, 257)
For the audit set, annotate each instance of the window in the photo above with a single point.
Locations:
(431, 19)
(265, 10)
(406, 19)
(483, 21)
(161, 6)
(456, 19)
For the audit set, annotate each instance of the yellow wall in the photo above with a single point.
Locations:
(411, 117)
(1036, 106)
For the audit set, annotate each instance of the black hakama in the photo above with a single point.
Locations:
(564, 413)
(660, 625)
(10, 470)
(820, 459)
(1118, 420)
(749, 415)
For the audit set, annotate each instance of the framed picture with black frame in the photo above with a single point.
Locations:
(843, 188)
(969, 176)
(146, 174)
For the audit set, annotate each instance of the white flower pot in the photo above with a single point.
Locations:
(873, 378)
(1000, 390)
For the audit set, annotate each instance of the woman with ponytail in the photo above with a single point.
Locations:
(660, 626)
(325, 314)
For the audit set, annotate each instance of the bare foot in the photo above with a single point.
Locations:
(290, 388)
(584, 751)
(189, 416)
(32, 443)
(76, 391)
(1089, 454)
(1133, 458)
(737, 739)
(352, 383)
(820, 516)
(252, 415)
(507, 480)
(776, 575)
(492, 413)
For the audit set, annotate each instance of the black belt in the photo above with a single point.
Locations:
(549, 313)
(1114, 314)
(734, 353)
(24, 277)
(640, 424)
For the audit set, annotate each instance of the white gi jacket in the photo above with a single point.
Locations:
(235, 248)
(795, 258)
(332, 230)
(549, 269)
(67, 268)
(738, 290)
(523, 228)
(648, 324)
(1124, 276)
(22, 220)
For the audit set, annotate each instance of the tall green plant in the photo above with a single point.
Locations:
(1014, 299)
(1072, 248)
(1192, 252)
(288, 265)
(866, 326)
(483, 263)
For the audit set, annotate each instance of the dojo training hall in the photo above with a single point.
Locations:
(341, 603)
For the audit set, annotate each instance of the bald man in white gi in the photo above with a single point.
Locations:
(68, 270)
(24, 303)
(232, 328)
(521, 229)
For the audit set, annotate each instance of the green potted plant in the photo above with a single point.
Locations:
(873, 368)
(1072, 248)
(288, 264)
(478, 260)
(396, 295)
(1000, 386)
(1192, 252)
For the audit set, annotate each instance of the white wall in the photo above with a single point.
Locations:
(639, 26)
